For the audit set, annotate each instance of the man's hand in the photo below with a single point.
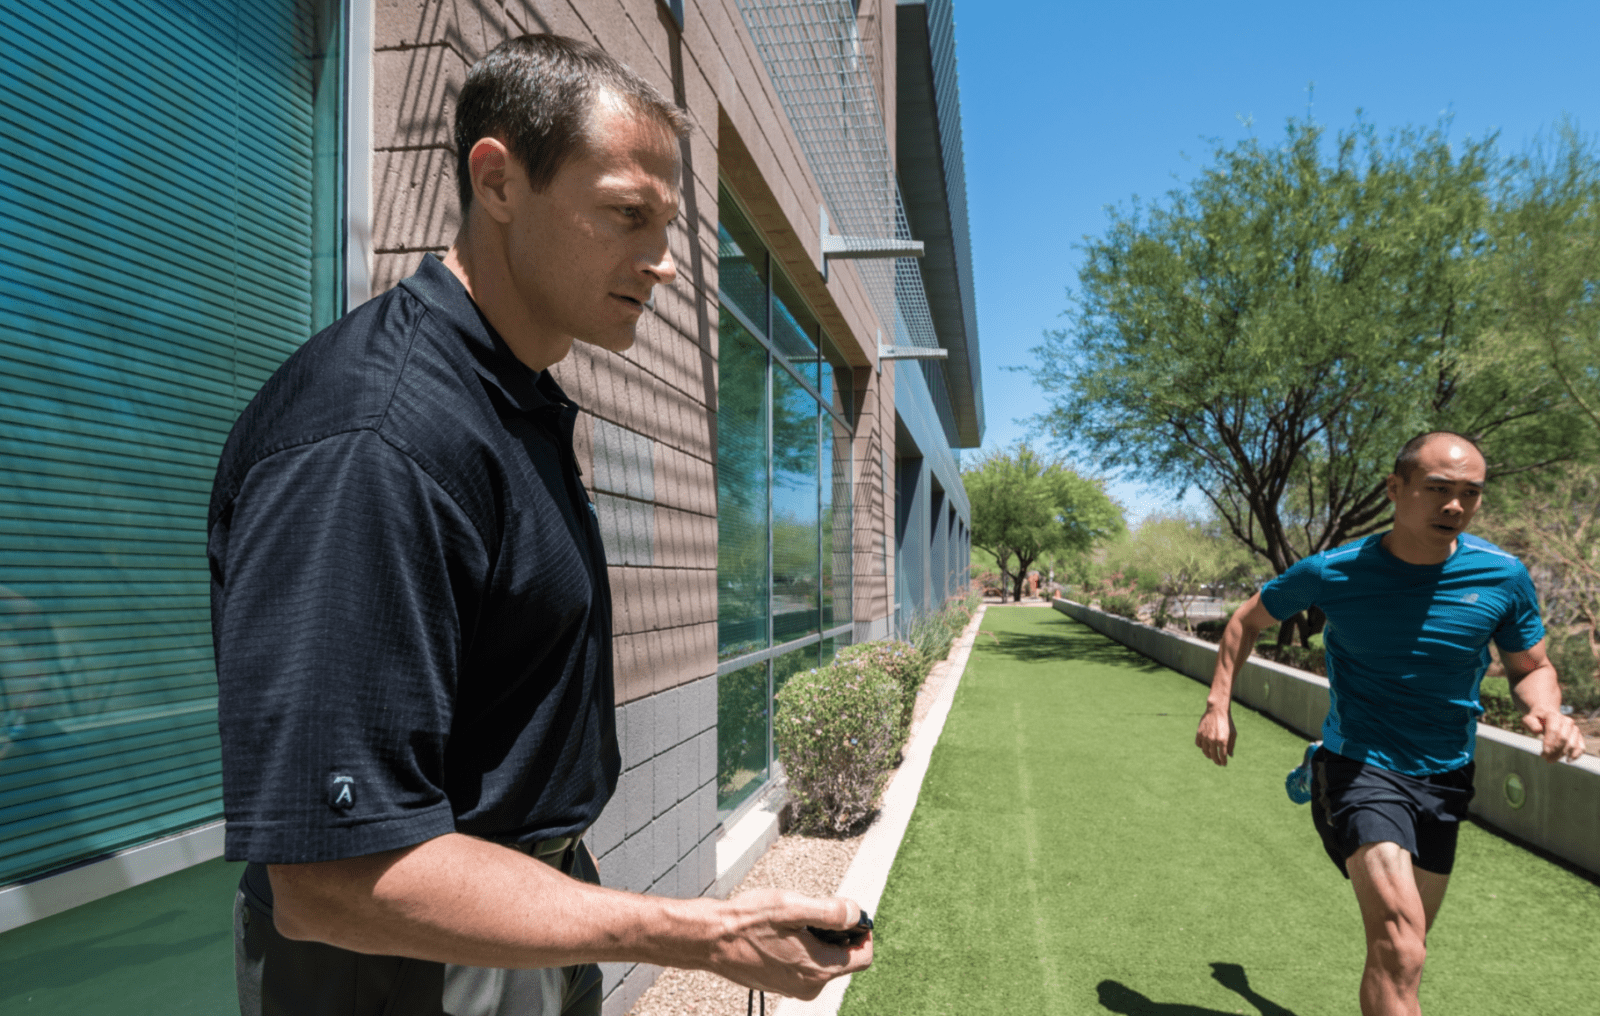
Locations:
(457, 899)
(1561, 737)
(765, 944)
(1533, 680)
(1216, 735)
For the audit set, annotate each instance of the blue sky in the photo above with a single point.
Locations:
(1070, 107)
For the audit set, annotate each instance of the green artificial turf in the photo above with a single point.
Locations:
(1073, 852)
(164, 947)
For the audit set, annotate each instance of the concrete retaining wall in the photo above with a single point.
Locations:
(1559, 809)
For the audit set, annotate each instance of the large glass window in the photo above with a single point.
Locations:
(136, 320)
(743, 554)
(783, 515)
(795, 506)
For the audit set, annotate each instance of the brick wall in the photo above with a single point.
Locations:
(647, 441)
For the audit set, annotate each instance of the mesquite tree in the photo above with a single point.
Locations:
(1272, 333)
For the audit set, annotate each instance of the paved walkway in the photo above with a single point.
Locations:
(1072, 852)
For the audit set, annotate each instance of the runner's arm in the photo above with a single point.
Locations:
(1216, 734)
(458, 899)
(1533, 679)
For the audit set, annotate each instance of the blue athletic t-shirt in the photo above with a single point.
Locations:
(1407, 645)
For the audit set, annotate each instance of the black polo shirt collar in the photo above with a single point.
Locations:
(525, 389)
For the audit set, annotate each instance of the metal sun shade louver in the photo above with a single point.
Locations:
(813, 52)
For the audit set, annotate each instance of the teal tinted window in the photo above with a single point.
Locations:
(794, 331)
(742, 703)
(783, 516)
(795, 496)
(743, 589)
(197, 250)
(741, 264)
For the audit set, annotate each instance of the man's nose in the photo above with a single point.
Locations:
(1453, 506)
(662, 266)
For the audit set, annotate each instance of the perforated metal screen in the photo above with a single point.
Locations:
(814, 54)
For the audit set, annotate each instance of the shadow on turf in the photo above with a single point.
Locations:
(1118, 997)
(1028, 647)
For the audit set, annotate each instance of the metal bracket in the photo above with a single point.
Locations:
(862, 247)
(907, 353)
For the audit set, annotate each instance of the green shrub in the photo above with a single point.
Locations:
(1575, 668)
(900, 662)
(1499, 705)
(933, 633)
(838, 734)
(1120, 604)
(1118, 598)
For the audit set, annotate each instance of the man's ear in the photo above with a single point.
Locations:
(492, 170)
(1391, 486)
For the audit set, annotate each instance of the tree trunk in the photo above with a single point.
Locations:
(1022, 577)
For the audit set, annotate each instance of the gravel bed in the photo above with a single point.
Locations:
(805, 864)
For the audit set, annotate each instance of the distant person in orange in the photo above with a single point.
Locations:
(1410, 614)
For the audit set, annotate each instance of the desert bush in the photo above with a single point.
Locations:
(901, 662)
(1121, 605)
(1304, 658)
(1117, 597)
(1575, 668)
(933, 632)
(838, 734)
(1500, 707)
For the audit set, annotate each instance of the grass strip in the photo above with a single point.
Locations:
(1072, 852)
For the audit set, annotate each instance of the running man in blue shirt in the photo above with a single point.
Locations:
(1410, 615)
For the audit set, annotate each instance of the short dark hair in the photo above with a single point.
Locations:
(534, 93)
(1406, 462)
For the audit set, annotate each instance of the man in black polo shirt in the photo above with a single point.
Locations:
(410, 607)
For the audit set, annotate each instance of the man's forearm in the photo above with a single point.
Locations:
(1539, 688)
(456, 899)
(1232, 654)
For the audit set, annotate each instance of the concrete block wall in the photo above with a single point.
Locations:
(1557, 809)
(647, 438)
(659, 833)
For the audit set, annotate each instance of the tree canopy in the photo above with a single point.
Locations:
(1025, 506)
(1274, 331)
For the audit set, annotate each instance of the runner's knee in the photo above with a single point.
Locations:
(1399, 952)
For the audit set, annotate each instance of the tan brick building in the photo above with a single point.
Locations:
(773, 463)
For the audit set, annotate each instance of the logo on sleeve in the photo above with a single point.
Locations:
(342, 793)
(1470, 598)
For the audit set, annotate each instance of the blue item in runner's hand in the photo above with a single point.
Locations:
(1298, 782)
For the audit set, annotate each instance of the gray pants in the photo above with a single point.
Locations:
(280, 977)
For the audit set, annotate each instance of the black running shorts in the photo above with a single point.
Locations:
(1353, 803)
